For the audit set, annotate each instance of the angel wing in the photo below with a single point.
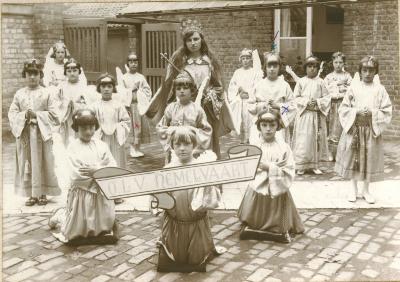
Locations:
(376, 79)
(119, 76)
(257, 62)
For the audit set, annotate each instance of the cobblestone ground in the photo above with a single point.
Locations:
(338, 245)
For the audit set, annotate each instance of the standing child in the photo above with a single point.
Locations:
(310, 140)
(267, 210)
(184, 112)
(54, 66)
(113, 119)
(32, 114)
(337, 83)
(186, 242)
(365, 112)
(275, 92)
(88, 213)
(241, 84)
(139, 96)
(71, 95)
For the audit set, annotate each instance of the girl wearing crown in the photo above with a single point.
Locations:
(32, 114)
(267, 210)
(337, 83)
(241, 84)
(184, 112)
(139, 95)
(310, 140)
(275, 92)
(53, 71)
(195, 57)
(365, 113)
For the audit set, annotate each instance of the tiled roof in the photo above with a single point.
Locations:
(101, 10)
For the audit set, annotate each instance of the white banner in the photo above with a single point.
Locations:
(120, 183)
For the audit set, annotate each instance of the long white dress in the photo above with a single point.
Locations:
(279, 92)
(34, 172)
(114, 127)
(337, 85)
(360, 149)
(141, 89)
(246, 80)
(185, 115)
(88, 212)
(267, 204)
(70, 98)
(310, 140)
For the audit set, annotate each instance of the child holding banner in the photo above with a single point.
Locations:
(88, 213)
(186, 242)
(184, 112)
(267, 210)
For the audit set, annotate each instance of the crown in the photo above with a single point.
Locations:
(190, 26)
(245, 52)
(183, 77)
(59, 44)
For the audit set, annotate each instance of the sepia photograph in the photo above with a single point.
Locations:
(200, 140)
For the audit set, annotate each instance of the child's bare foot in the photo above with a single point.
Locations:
(317, 171)
(300, 172)
(352, 197)
(368, 198)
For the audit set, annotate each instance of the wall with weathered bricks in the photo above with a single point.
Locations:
(24, 36)
(372, 29)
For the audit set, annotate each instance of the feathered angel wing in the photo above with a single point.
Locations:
(376, 79)
(256, 61)
(356, 78)
(119, 76)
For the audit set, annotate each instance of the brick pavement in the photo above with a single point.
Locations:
(338, 245)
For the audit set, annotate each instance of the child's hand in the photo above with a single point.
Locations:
(273, 105)
(244, 95)
(264, 165)
(87, 171)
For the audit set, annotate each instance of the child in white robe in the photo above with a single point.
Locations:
(310, 140)
(32, 115)
(267, 210)
(186, 243)
(365, 113)
(275, 92)
(113, 119)
(54, 66)
(184, 112)
(72, 94)
(139, 96)
(337, 83)
(242, 83)
(88, 213)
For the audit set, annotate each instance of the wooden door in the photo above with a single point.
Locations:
(86, 39)
(156, 39)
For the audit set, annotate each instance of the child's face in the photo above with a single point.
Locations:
(272, 70)
(86, 132)
(268, 129)
(60, 54)
(106, 91)
(33, 79)
(132, 63)
(367, 74)
(72, 74)
(183, 92)
(312, 70)
(338, 64)
(184, 151)
(246, 61)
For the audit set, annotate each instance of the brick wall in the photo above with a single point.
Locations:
(372, 29)
(26, 35)
(228, 33)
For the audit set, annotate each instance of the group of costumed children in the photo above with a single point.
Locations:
(95, 128)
